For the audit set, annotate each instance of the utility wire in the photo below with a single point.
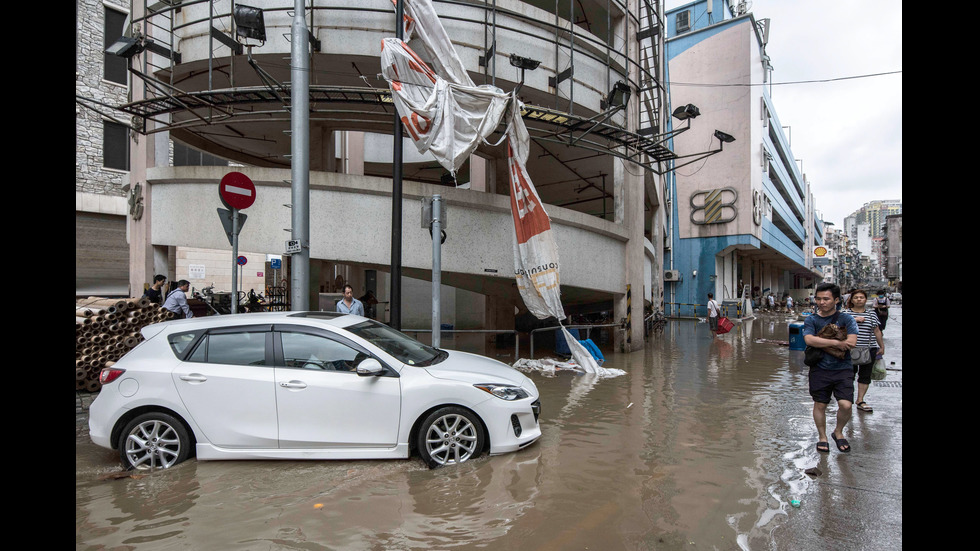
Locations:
(710, 85)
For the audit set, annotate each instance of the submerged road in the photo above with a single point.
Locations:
(701, 445)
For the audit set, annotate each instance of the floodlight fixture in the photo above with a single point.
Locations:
(523, 63)
(619, 96)
(686, 112)
(249, 22)
(723, 137)
(125, 46)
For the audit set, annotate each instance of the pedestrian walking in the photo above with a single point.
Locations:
(832, 376)
(789, 304)
(881, 305)
(177, 300)
(714, 311)
(869, 343)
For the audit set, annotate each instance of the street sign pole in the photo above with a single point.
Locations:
(234, 258)
(237, 192)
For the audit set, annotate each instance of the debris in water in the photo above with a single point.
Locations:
(772, 341)
(121, 474)
(795, 502)
(813, 471)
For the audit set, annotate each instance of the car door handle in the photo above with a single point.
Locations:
(293, 384)
(194, 378)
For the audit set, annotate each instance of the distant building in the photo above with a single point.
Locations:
(892, 250)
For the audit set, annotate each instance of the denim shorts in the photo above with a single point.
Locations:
(827, 382)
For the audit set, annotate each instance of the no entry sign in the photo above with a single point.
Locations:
(236, 190)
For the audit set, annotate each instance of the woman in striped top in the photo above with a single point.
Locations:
(869, 336)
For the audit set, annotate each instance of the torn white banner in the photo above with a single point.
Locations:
(448, 120)
(447, 116)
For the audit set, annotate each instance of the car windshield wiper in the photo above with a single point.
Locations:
(439, 357)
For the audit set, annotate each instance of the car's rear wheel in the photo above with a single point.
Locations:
(154, 440)
(450, 436)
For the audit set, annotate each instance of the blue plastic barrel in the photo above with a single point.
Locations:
(796, 341)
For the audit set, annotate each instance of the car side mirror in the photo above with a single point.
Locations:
(369, 367)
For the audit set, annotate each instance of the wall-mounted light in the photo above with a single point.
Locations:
(249, 22)
(686, 112)
(524, 64)
(618, 97)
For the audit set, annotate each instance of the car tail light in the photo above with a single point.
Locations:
(110, 374)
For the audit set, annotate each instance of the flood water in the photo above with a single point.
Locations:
(698, 446)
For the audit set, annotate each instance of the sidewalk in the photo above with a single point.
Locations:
(856, 503)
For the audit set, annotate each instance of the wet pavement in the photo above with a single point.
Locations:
(702, 445)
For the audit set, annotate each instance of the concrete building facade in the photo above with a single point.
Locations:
(194, 82)
(742, 219)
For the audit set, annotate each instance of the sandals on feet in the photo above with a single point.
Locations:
(823, 447)
(842, 443)
(863, 406)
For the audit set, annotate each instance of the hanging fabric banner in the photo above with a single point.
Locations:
(446, 115)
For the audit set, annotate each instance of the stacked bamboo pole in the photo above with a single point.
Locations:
(105, 330)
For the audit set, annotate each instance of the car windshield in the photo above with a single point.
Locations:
(406, 349)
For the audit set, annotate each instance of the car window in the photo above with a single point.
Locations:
(306, 351)
(180, 341)
(235, 348)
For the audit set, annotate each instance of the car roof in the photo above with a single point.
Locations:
(335, 319)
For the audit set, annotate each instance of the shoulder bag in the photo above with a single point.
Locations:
(860, 356)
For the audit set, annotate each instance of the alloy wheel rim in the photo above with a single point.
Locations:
(451, 439)
(152, 445)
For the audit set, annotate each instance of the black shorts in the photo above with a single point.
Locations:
(863, 372)
(827, 382)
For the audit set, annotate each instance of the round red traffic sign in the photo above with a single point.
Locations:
(236, 191)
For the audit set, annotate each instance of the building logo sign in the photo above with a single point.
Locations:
(716, 206)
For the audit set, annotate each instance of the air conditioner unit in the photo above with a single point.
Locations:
(672, 275)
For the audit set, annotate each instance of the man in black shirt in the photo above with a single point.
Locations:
(154, 291)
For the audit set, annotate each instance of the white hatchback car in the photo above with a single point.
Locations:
(306, 385)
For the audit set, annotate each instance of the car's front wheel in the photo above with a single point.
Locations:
(449, 436)
(154, 441)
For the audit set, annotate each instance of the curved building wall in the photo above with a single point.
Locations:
(354, 29)
(350, 222)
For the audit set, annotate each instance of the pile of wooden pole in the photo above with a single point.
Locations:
(105, 330)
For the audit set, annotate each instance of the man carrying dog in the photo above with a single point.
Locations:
(832, 376)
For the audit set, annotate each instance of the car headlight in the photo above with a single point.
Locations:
(504, 392)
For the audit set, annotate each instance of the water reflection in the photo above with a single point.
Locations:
(702, 442)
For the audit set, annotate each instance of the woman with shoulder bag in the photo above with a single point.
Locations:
(869, 343)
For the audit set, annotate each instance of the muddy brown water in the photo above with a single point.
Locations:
(699, 446)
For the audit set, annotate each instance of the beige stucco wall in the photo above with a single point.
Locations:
(736, 110)
(350, 223)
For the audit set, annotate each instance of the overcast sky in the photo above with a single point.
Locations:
(848, 133)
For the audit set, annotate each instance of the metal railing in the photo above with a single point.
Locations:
(517, 337)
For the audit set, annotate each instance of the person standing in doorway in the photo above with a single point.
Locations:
(714, 310)
(869, 336)
(155, 291)
(832, 376)
(349, 304)
(177, 300)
